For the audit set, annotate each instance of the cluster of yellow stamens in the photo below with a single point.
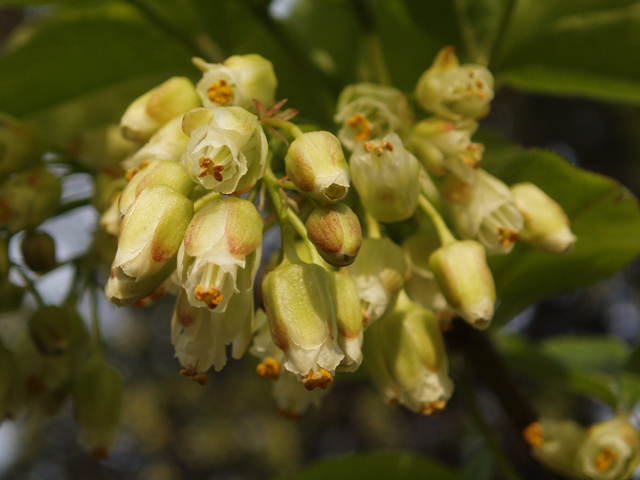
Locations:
(220, 92)
(360, 123)
(384, 145)
(210, 168)
(533, 435)
(432, 409)
(604, 459)
(476, 87)
(269, 368)
(189, 371)
(473, 155)
(507, 236)
(211, 296)
(320, 379)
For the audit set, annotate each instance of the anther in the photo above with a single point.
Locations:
(360, 123)
(220, 92)
(211, 296)
(507, 236)
(532, 434)
(604, 459)
(320, 379)
(269, 368)
(210, 168)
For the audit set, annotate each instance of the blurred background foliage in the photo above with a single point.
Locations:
(567, 84)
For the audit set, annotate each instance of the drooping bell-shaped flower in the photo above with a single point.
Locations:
(387, 178)
(221, 249)
(237, 81)
(455, 91)
(408, 359)
(380, 272)
(227, 152)
(484, 210)
(366, 111)
(123, 291)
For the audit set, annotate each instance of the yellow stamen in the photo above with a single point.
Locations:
(604, 459)
(211, 296)
(507, 236)
(320, 379)
(210, 168)
(384, 145)
(533, 435)
(220, 92)
(189, 371)
(360, 123)
(433, 409)
(132, 171)
(269, 368)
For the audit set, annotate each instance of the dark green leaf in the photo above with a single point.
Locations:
(379, 466)
(69, 58)
(604, 216)
(531, 360)
(603, 352)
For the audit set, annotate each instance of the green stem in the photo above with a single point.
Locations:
(172, 30)
(446, 237)
(292, 128)
(373, 227)
(379, 62)
(302, 231)
(254, 193)
(30, 286)
(466, 30)
(502, 31)
(506, 467)
(198, 204)
(72, 205)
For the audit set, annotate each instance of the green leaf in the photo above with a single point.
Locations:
(531, 360)
(65, 59)
(630, 383)
(604, 216)
(379, 466)
(604, 353)
(575, 49)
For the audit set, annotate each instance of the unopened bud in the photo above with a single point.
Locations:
(151, 232)
(555, 444)
(335, 231)
(39, 251)
(380, 272)
(300, 309)
(452, 90)
(316, 164)
(29, 198)
(157, 172)
(387, 178)
(238, 81)
(55, 330)
(126, 291)
(97, 405)
(152, 110)
(465, 280)
(546, 226)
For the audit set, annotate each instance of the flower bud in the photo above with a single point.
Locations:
(348, 319)
(546, 226)
(555, 444)
(157, 172)
(302, 317)
(316, 164)
(611, 450)
(484, 211)
(123, 291)
(168, 143)
(39, 251)
(110, 219)
(152, 110)
(415, 367)
(229, 153)
(238, 81)
(107, 186)
(8, 379)
(423, 288)
(380, 272)
(367, 111)
(465, 280)
(452, 91)
(336, 233)
(221, 252)
(442, 145)
(10, 295)
(97, 404)
(102, 147)
(29, 198)
(387, 178)
(20, 145)
(151, 232)
(55, 330)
